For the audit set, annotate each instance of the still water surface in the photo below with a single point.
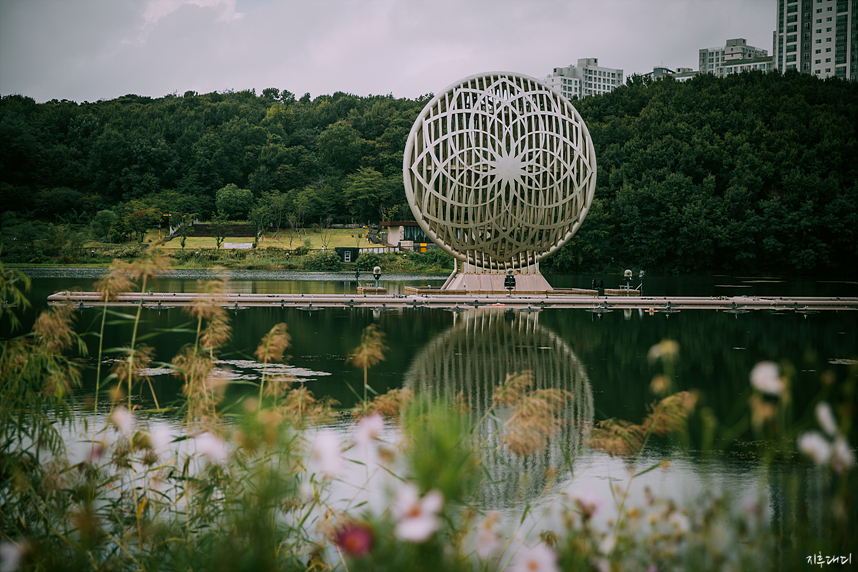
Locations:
(601, 359)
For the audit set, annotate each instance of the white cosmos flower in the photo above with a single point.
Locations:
(368, 429)
(842, 457)
(815, 446)
(160, 437)
(487, 540)
(680, 521)
(418, 518)
(212, 446)
(327, 453)
(123, 420)
(765, 377)
(825, 418)
(539, 558)
(607, 544)
(10, 555)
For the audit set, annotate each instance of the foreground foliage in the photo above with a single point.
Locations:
(258, 483)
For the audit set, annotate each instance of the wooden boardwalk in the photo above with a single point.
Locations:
(734, 304)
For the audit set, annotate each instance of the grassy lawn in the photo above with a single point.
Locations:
(338, 237)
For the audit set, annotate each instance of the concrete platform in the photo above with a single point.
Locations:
(493, 283)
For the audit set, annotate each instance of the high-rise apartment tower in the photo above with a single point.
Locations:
(818, 37)
(586, 78)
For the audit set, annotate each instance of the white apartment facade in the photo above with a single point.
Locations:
(585, 78)
(818, 37)
(733, 57)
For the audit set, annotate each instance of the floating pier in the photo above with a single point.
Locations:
(458, 302)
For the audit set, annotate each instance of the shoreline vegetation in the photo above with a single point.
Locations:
(307, 254)
(248, 484)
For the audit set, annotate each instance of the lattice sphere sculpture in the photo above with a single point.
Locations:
(499, 171)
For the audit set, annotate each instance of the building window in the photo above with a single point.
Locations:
(828, 60)
(791, 58)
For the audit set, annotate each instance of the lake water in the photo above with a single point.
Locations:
(600, 359)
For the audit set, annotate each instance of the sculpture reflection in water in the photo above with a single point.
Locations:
(472, 358)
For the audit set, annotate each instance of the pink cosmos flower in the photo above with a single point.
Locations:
(418, 519)
(355, 539)
(327, 453)
(368, 429)
(539, 558)
(588, 504)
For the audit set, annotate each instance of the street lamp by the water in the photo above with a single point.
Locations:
(509, 281)
(628, 275)
(376, 272)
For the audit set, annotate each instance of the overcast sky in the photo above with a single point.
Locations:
(86, 50)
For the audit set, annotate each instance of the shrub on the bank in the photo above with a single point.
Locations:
(323, 261)
(369, 260)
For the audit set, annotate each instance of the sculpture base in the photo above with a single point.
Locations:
(489, 283)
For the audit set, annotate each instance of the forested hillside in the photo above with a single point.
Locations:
(750, 173)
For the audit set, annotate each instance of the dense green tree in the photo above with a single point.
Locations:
(234, 203)
(341, 147)
(101, 224)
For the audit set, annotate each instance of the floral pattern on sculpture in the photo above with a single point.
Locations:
(499, 170)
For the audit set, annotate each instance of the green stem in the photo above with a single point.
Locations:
(134, 340)
(98, 367)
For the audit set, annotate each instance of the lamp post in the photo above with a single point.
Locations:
(509, 282)
(376, 272)
(628, 275)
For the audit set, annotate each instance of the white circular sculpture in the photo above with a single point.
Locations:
(499, 171)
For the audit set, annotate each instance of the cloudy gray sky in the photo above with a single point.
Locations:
(86, 50)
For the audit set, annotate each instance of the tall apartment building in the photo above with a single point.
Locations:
(734, 57)
(818, 37)
(586, 78)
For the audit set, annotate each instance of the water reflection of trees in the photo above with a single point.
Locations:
(470, 359)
